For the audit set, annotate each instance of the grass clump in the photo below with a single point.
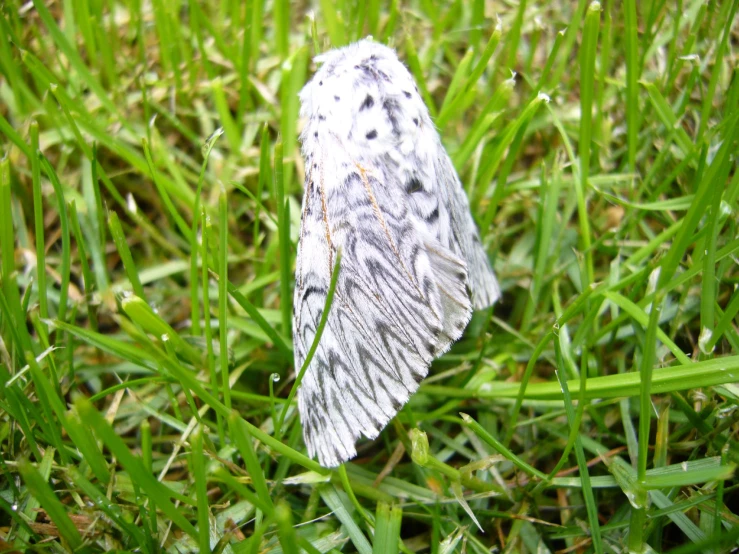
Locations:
(149, 207)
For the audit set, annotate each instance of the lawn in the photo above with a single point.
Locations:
(150, 202)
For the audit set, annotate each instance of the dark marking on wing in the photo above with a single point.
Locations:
(368, 103)
(414, 185)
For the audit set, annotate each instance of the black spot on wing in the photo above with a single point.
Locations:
(414, 185)
(368, 103)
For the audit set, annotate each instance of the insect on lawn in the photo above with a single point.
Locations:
(379, 186)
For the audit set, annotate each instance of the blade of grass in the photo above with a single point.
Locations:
(87, 277)
(387, 529)
(56, 511)
(149, 485)
(717, 172)
(161, 188)
(664, 379)
(293, 78)
(708, 280)
(87, 446)
(223, 297)
(632, 78)
(454, 105)
(333, 500)
(285, 530)
(75, 60)
(250, 309)
(587, 86)
(262, 183)
(197, 468)
(38, 212)
(119, 238)
(194, 248)
(314, 344)
(241, 436)
(487, 172)
(14, 320)
(64, 223)
(283, 233)
(587, 490)
(500, 448)
(710, 93)
(457, 82)
(142, 314)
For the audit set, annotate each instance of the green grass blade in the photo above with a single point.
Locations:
(498, 446)
(283, 233)
(201, 489)
(118, 236)
(250, 309)
(314, 345)
(223, 298)
(285, 529)
(56, 511)
(74, 58)
(709, 96)
(149, 485)
(587, 84)
(664, 379)
(453, 105)
(387, 529)
(592, 510)
(333, 500)
(488, 171)
(38, 212)
(64, 222)
(240, 434)
(632, 78)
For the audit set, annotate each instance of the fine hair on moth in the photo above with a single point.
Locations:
(380, 188)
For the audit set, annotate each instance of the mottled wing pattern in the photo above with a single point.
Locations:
(484, 285)
(377, 187)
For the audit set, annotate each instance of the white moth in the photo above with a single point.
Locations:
(379, 186)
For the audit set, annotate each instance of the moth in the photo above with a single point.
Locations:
(380, 187)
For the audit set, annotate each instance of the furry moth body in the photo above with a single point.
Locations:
(379, 186)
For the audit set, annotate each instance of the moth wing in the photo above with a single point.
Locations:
(391, 110)
(464, 233)
(400, 301)
(380, 186)
(439, 206)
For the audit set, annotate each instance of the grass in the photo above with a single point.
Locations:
(149, 211)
